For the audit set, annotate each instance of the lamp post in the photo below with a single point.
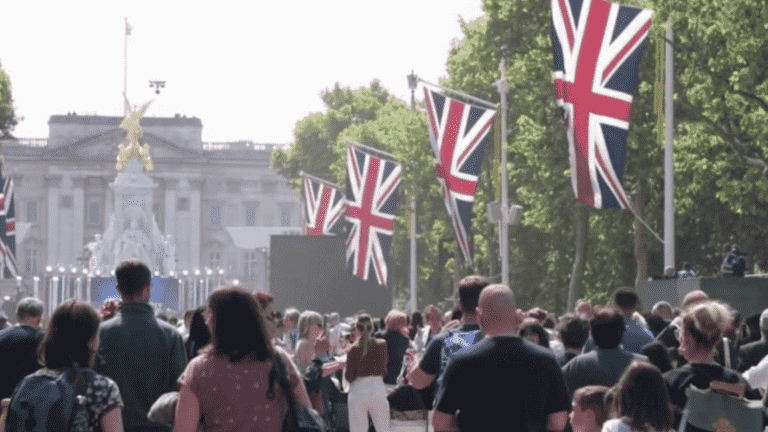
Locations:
(49, 287)
(413, 81)
(197, 301)
(504, 223)
(36, 287)
(208, 274)
(63, 282)
(185, 280)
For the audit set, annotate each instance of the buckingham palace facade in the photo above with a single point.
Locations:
(218, 201)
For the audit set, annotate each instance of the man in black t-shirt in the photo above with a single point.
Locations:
(424, 372)
(503, 382)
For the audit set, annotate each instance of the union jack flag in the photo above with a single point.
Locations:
(372, 199)
(8, 229)
(597, 47)
(324, 208)
(459, 136)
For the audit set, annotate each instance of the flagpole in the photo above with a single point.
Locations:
(461, 93)
(125, 67)
(412, 84)
(319, 180)
(504, 221)
(373, 150)
(669, 169)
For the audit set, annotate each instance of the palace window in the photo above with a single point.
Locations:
(182, 204)
(93, 216)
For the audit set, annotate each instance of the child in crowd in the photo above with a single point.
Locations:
(589, 409)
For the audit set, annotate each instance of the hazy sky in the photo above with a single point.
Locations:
(248, 70)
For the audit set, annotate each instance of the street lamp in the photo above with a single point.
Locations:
(157, 85)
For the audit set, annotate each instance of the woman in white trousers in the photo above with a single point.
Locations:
(366, 367)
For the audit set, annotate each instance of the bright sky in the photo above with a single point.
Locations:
(247, 71)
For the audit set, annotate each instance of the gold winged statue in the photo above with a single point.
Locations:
(132, 148)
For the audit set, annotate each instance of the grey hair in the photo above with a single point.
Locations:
(291, 314)
(29, 307)
(661, 304)
(764, 322)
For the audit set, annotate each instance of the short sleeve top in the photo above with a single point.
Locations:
(233, 396)
(101, 396)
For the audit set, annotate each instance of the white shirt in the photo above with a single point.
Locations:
(757, 376)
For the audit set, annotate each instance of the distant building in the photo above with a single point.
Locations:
(63, 198)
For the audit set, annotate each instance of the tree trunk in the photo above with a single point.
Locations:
(581, 222)
(641, 256)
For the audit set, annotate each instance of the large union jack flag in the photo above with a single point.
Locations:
(324, 208)
(459, 135)
(8, 229)
(372, 200)
(597, 47)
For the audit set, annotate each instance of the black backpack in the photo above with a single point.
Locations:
(42, 403)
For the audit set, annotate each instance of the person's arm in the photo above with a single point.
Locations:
(352, 364)
(443, 422)
(304, 351)
(556, 421)
(112, 420)
(332, 367)
(187, 411)
(421, 373)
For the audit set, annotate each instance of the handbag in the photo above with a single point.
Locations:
(298, 418)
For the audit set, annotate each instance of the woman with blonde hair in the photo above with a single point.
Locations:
(310, 331)
(701, 330)
(366, 367)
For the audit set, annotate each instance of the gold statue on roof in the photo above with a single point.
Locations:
(132, 148)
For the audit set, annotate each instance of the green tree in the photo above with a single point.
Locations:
(8, 118)
(721, 110)
(316, 134)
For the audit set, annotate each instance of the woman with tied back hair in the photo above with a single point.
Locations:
(366, 367)
(225, 388)
(641, 402)
(702, 327)
(72, 340)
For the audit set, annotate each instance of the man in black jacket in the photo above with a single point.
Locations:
(18, 345)
(750, 354)
(144, 355)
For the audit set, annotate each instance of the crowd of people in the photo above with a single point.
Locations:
(487, 365)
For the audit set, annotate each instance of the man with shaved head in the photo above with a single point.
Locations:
(503, 382)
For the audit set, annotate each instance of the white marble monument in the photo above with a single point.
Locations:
(133, 232)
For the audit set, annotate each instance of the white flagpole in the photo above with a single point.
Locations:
(373, 150)
(319, 180)
(487, 104)
(504, 227)
(413, 279)
(669, 169)
(125, 66)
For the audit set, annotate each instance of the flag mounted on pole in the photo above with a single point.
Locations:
(323, 207)
(8, 229)
(459, 134)
(372, 199)
(597, 49)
